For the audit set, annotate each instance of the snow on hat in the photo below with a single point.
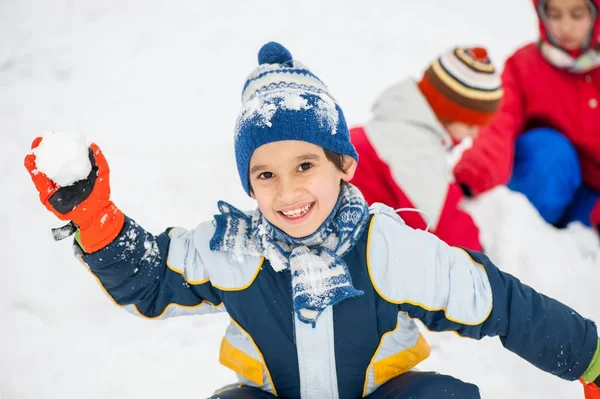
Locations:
(283, 100)
(463, 86)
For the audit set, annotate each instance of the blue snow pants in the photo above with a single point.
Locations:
(547, 171)
(410, 385)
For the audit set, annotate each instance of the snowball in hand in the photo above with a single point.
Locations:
(63, 157)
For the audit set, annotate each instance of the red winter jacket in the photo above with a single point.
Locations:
(404, 164)
(537, 94)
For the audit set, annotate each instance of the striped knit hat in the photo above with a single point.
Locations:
(284, 100)
(462, 86)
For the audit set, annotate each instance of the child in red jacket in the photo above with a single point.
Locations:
(417, 132)
(547, 131)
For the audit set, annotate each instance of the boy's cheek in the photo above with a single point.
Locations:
(264, 202)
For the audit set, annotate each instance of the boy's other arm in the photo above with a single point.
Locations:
(450, 289)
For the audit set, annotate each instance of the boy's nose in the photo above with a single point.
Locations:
(289, 191)
(571, 27)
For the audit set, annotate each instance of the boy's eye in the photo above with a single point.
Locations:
(553, 14)
(303, 167)
(265, 175)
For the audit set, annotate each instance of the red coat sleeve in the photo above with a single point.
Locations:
(489, 162)
(595, 215)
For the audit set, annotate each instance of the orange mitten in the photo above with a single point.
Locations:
(590, 391)
(86, 202)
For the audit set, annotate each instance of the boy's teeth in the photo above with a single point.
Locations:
(297, 212)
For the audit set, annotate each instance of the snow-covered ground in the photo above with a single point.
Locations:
(157, 84)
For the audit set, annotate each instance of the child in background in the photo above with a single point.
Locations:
(417, 132)
(545, 140)
(320, 288)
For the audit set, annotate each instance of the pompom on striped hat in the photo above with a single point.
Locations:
(463, 86)
(283, 100)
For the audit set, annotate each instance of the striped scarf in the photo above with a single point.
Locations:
(320, 277)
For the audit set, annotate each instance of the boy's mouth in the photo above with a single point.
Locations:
(567, 42)
(298, 214)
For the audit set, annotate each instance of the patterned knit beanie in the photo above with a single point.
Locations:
(283, 100)
(462, 86)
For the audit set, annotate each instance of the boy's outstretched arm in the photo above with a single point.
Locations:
(152, 276)
(155, 276)
(450, 289)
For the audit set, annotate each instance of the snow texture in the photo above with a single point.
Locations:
(63, 157)
(157, 85)
(261, 108)
(327, 113)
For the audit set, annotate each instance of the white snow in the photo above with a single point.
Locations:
(295, 103)
(265, 106)
(327, 113)
(63, 157)
(312, 274)
(157, 85)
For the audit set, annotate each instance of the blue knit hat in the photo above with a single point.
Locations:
(283, 100)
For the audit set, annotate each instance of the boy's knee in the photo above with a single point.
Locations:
(241, 392)
(546, 146)
(444, 386)
(426, 385)
(451, 388)
(546, 170)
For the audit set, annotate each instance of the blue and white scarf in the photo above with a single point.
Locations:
(320, 277)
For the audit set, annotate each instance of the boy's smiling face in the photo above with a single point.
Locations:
(295, 185)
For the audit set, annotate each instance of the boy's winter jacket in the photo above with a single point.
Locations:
(360, 343)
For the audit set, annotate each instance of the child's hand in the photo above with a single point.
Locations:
(64, 201)
(85, 202)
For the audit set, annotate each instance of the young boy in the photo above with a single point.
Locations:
(321, 289)
(418, 131)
